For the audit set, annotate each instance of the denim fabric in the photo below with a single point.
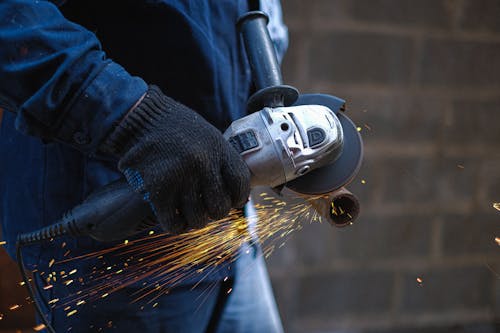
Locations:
(65, 88)
(248, 308)
(251, 306)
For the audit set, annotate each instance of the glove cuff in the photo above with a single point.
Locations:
(141, 119)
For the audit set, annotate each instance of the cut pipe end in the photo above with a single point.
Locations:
(344, 209)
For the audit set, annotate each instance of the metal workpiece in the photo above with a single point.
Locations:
(340, 207)
(281, 144)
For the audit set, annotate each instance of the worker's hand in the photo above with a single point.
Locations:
(181, 163)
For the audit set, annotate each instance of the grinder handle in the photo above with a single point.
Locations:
(266, 72)
(260, 51)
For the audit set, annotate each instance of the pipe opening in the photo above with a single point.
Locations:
(344, 209)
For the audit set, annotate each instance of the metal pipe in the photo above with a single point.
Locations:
(340, 207)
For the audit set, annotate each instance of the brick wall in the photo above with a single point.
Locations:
(422, 78)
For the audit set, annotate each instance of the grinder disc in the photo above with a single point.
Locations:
(333, 176)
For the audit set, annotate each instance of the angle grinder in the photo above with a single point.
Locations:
(300, 145)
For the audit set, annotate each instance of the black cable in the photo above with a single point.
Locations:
(222, 299)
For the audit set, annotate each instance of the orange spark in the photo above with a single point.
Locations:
(39, 327)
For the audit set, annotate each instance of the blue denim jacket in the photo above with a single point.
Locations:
(63, 77)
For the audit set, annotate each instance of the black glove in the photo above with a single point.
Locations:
(182, 164)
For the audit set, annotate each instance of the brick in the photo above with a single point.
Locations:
(328, 10)
(472, 234)
(496, 307)
(397, 118)
(491, 175)
(453, 63)
(457, 328)
(283, 257)
(293, 62)
(335, 294)
(458, 288)
(481, 15)
(456, 179)
(473, 122)
(360, 58)
(408, 180)
(373, 238)
(422, 13)
(295, 12)
(368, 173)
(285, 292)
(315, 243)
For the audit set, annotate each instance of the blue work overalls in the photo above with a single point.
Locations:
(64, 93)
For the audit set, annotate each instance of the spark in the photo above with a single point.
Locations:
(419, 280)
(3, 242)
(14, 307)
(358, 129)
(51, 262)
(363, 181)
(460, 166)
(39, 327)
(1, 316)
(496, 205)
(497, 240)
(47, 287)
(72, 272)
(69, 314)
(167, 260)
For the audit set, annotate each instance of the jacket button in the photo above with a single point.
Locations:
(81, 138)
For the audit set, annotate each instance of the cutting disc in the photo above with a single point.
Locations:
(333, 176)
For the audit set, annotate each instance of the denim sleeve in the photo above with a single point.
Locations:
(277, 29)
(56, 78)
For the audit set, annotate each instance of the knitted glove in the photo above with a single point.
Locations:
(180, 163)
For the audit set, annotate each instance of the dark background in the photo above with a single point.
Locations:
(422, 80)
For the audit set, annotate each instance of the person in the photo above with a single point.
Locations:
(147, 105)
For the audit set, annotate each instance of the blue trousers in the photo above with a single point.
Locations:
(248, 308)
